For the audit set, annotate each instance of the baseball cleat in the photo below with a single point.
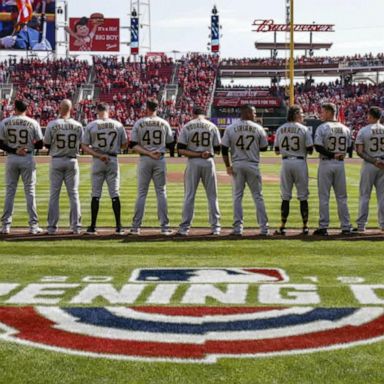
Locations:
(166, 232)
(50, 233)
(359, 230)
(321, 232)
(91, 231)
(134, 231)
(120, 231)
(76, 232)
(5, 231)
(305, 231)
(35, 230)
(236, 233)
(281, 232)
(181, 233)
(265, 234)
(346, 232)
(216, 232)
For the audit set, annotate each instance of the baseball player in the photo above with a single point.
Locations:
(245, 139)
(198, 141)
(19, 137)
(370, 147)
(103, 139)
(150, 137)
(293, 141)
(62, 137)
(332, 141)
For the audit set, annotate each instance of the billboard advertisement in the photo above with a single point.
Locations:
(28, 25)
(267, 102)
(94, 34)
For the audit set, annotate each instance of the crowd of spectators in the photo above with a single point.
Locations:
(196, 79)
(45, 83)
(355, 60)
(126, 86)
(353, 100)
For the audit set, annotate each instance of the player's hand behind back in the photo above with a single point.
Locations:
(339, 156)
(206, 155)
(155, 155)
(104, 158)
(21, 151)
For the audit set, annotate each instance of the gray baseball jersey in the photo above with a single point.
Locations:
(292, 140)
(64, 137)
(336, 138)
(372, 137)
(244, 139)
(106, 136)
(333, 136)
(153, 134)
(20, 131)
(200, 135)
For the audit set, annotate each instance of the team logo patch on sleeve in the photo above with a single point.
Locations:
(209, 275)
(190, 334)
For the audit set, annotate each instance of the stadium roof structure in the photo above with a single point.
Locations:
(298, 46)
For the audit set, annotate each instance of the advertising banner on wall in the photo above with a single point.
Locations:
(28, 25)
(94, 34)
(267, 102)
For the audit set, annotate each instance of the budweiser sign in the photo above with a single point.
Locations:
(270, 26)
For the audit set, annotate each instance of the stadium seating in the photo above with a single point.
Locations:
(45, 83)
(125, 85)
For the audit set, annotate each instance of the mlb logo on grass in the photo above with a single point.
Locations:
(209, 275)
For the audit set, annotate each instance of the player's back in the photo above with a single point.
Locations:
(106, 135)
(200, 135)
(335, 137)
(64, 137)
(20, 131)
(372, 136)
(245, 138)
(152, 133)
(292, 139)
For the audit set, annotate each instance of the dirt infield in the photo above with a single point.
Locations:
(196, 234)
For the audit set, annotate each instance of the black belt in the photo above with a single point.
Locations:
(327, 158)
(108, 154)
(64, 157)
(293, 157)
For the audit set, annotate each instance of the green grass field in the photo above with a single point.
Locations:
(28, 261)
(175, 199)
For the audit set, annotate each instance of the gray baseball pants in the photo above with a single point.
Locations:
(64, 169)
(149, 169)
(246, 173)
(205, 170)
(370, 176)
(331, 174)
(25, 167)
